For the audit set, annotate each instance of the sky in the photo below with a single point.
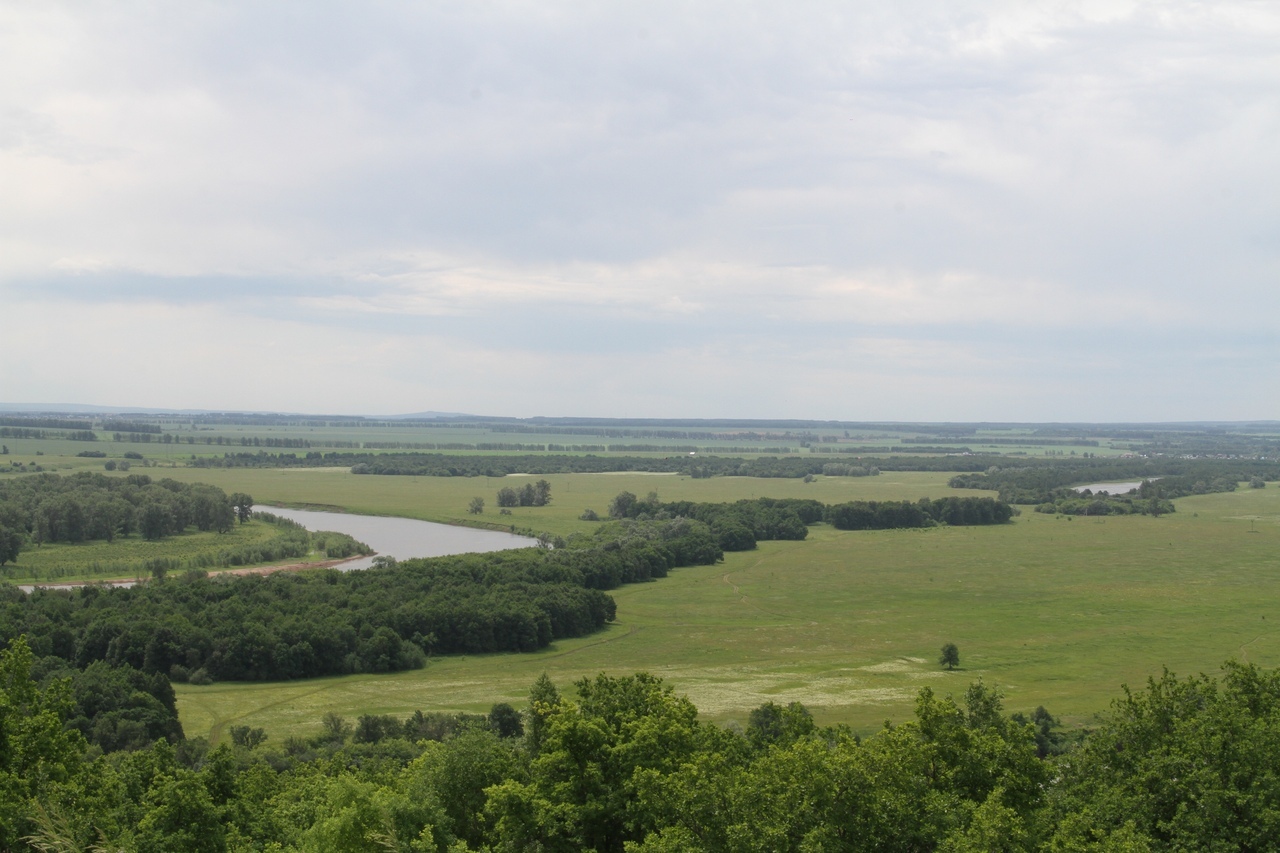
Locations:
(922, 211)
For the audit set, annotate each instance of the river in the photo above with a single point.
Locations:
(1112, 488)
(403, 538)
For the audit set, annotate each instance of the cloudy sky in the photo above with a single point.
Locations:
(942, 211)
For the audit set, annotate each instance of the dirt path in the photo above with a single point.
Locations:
(248, 570)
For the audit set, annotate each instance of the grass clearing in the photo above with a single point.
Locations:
(445, 499)
(1054, 612)
(64, 562)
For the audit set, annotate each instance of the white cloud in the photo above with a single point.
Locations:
(921, 177)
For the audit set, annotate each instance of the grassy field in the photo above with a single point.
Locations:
(125, 557)
(185, 439)
(1053, 611)
(445, 499)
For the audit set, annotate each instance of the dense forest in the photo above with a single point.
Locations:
(325, 622)
(88, 506)
(626, 765)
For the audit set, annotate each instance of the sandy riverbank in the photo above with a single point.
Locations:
(247, 570)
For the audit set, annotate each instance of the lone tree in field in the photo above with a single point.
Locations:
(476, 507)
(950, 656)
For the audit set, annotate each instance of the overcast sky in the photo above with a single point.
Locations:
(939, 211)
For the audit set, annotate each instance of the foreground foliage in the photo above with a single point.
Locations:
(627, 766)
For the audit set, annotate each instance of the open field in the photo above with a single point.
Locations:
(1054, 611)
(445, 499)
(186, 437)
(124, 558)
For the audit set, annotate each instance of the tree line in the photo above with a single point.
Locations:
(45, 423)
(530, 494)
(88, 506)
(325, 622)
(738, 526)
(28, 432)
(447, 465)
(627, 766)
(1041, 481)
(1025, 480)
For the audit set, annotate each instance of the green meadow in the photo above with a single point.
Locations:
(126, 557)
(445, 499)
(1053, 611)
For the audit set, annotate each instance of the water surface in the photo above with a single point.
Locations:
(1110, 488)
(402, 538)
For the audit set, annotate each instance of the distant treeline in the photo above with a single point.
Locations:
(25, 432)
(890, 515)
(46, 423)
(685, 435)
(325, 622)
(1028, 479)
(738, 526)
(158, 437)
(129, 426)
(1074, 503)
(1044, 481)
(86, 506)
(446, 465)
(1029, 441)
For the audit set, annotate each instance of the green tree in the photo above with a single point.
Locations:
(457, 773)
(950, 656)
(1188, 763)
(772, 724)
(476, 507)
(504, 721)
(543, 700)
(358, 816)
(10, 545)
(581, 793)
(180, 817)
(620, 506)
(336, 728)
(37, 754)
(246, 737)
(154, 520)
(243, 506)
